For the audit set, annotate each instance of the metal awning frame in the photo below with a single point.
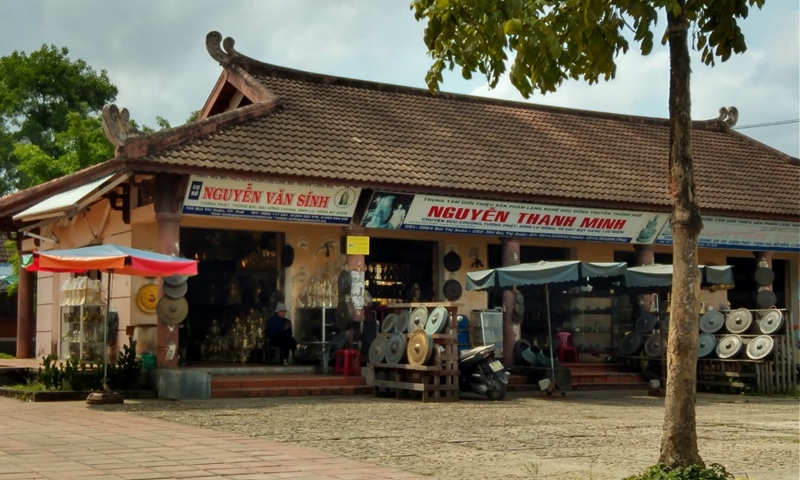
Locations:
(75, 208)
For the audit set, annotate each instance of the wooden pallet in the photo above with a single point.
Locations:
(437, 382)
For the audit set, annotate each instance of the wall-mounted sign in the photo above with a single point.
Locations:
(357, 245)
(221, 197)
(485, 217)
(744, 234)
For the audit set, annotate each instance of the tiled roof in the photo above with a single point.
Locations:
(378, 135)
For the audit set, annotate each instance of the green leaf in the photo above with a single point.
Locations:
(512, 27)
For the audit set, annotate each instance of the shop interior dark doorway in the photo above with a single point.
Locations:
(395, 267)
(743, 295)
(232, 295)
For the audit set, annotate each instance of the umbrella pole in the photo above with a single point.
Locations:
(552, 387)
(105, 332)
(549, 330)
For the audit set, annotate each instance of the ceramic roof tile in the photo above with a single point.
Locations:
(378, 134)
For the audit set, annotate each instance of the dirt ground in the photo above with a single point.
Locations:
(587, 435)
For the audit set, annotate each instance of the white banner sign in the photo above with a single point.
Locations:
(270, 200)
(744, 234)
(481, 217)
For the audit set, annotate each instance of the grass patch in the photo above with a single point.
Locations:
(5, 356)
(29, 387)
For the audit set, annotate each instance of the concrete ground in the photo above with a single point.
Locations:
(586, 435)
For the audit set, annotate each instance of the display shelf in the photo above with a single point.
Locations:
(436, 383)
(711, 360)
(594, 320)
(387, 282)
(82, 332)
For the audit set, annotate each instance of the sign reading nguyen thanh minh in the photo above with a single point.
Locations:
(487, 217)
(261, 200)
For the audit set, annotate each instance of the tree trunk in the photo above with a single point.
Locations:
(679, 438)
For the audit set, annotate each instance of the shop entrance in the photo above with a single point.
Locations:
(534, 321)
(400, 271)
(232, 295)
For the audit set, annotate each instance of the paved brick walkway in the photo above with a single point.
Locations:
(69, 440)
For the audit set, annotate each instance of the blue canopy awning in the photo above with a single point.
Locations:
(632, 278)
(541, 273)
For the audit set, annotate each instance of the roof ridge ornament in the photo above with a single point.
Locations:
(117, 125)
(221, 50)
(729, 116)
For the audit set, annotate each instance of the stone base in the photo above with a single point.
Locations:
(105, 398)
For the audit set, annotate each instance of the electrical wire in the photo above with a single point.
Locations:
(768, 124)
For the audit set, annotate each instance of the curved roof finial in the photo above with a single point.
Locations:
(221, 50)
(729, 116)
(117, 125)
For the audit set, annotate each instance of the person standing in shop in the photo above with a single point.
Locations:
(279, 332)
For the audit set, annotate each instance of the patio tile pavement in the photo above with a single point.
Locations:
(70, 440)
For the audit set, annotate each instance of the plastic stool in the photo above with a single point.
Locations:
(348, 362)
(567, 348)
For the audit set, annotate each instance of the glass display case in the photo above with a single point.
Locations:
(597, 321)
(82, 332)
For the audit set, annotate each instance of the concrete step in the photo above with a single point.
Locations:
(607, 377)
(522, 388)
(291, 391)
(220, 382)
(584, 387)
(586, 368)
(286, 385)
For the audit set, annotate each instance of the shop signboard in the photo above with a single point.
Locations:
(744, 234)
(509, 219)
(263, 200)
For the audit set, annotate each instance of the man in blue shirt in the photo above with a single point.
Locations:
(279, 332)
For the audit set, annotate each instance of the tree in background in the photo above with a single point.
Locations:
(47, 105)
(556, 40)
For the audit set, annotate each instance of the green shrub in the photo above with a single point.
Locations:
(76, 375)
(5, 356)
(692, 472)
(125, 374)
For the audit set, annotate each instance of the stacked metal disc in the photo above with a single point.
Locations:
(739, 321)
(770, 322)
(173, 308)
(760, 347)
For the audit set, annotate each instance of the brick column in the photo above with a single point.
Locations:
(511, 331)
(26, 318)
(168, 198)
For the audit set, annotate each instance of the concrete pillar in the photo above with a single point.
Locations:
(168, 198)
(26, 319)
(645, 255)
(356, 263)
(511, 331)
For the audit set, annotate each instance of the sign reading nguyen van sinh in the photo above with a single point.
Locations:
(486, 217)
(223, 197)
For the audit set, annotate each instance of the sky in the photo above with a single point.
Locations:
(154, 52)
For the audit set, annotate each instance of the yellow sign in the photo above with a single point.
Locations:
(357, 245)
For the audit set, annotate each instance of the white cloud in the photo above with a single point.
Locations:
(154, 52)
